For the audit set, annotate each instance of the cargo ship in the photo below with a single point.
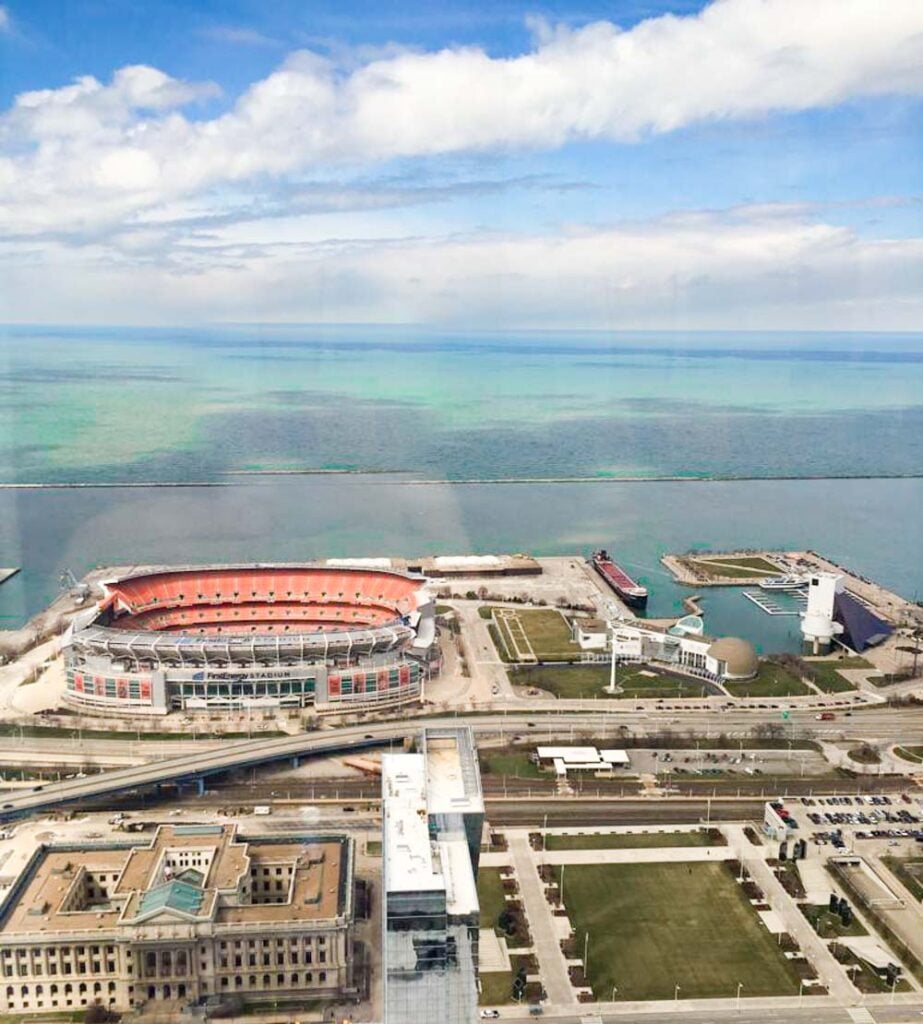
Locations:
(633, 594)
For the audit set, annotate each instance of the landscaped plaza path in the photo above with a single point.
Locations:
(843, 1001)
(551, 962)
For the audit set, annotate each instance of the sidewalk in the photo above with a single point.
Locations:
(551, 962)
(796, 924)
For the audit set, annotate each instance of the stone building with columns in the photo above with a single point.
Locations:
(194, 914)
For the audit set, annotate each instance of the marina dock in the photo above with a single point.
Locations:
(764, 600)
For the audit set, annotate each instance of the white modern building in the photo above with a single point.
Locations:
(432, 819)
(680, 646)
(577, 759)
(818, 623)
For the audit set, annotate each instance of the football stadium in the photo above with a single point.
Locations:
(261, 636)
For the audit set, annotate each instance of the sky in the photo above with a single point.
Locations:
(733, 165)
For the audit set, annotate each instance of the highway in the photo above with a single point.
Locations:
(873, 723)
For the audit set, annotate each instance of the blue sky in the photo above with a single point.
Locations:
(745, 164)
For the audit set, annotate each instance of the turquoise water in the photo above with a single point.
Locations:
(196, 405)
(396, 404)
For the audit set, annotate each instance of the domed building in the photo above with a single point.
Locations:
(733, 658)
(683, 646)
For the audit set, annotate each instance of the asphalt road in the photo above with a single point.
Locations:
(247, 753)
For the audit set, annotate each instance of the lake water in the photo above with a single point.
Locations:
(394, 405)
(872, 526)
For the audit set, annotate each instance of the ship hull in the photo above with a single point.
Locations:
(628, 591)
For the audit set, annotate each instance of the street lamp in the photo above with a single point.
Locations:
(614, 990)
(740, 985)
(675, 992)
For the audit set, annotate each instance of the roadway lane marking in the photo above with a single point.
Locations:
(861, 1015)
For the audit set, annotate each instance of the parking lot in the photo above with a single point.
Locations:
(866, 817)
(737, 761)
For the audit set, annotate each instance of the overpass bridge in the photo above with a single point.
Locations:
(195, 767)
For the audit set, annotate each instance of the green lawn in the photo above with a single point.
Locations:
(490, 897)
(546, 630)
(588, 681)
(637, 841)
(826, 674)
(496, 988)
(910, 753)
(661, 925)
(910, 871)
(515, 763)
(743, 567)
(771, 681)
(828, 925)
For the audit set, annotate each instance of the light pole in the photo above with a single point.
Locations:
(562, 884)
(740, 985)
(613, 663)
(801, 992)
(676, 993)
(586, 952)
(614, 990)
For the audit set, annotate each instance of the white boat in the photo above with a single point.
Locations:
(782, 582)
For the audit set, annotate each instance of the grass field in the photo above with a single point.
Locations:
(662, 925)
(638, 841)
(540, 632)
(910, 753)
(771, 681)
(588, 681)
(910, 871)
(514, 763)
(828, 679)
(490, 896)
(826, 674)
(496, 988)
(741, 567)
(829, 925)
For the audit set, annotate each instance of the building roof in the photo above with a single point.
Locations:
(175, 895)
(591, 625)
(738, 656)
(51, 894)
(861, 627)
(453, 779)
(408, 854)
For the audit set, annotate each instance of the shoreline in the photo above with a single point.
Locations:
(462, 481)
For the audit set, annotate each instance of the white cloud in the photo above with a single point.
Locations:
(239, 35)
(6, 24)
(87, 155)
(716, 270)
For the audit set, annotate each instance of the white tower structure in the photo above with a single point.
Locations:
(818, 626)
